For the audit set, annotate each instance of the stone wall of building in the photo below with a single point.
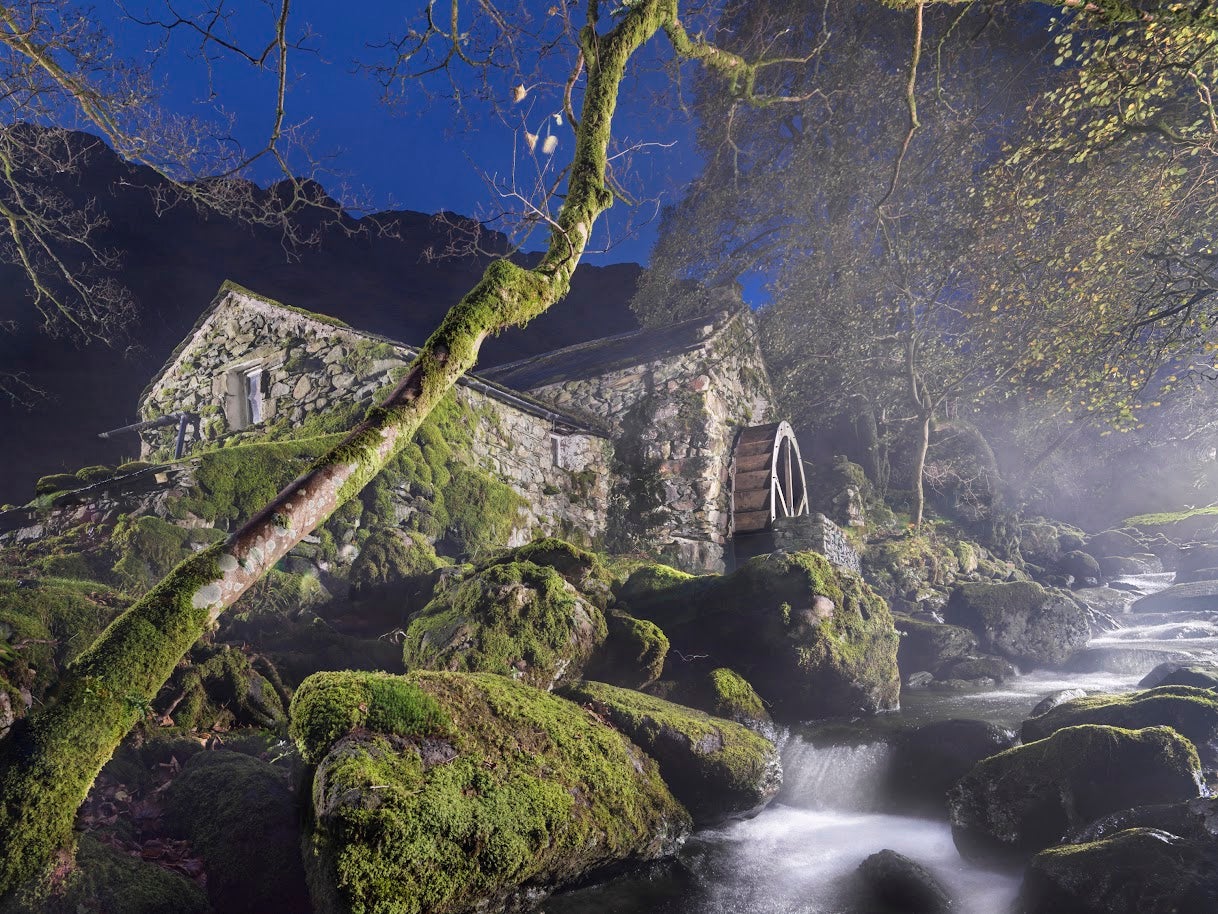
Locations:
(819, 534)
(310, 369)
(674, 421)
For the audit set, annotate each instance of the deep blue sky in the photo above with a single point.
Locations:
(418, 155)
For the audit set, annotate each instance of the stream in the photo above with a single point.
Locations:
(796, 856)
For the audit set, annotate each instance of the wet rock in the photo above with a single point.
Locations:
(891, 883)
(1113, 542)
(1199, 574)
(1197, 596)
(1051, 701)
(804, 657)
(1079, 565)
(467, 791)
(632, 654)
(929, 645)
(1176, 672)
(1197, 819)
(1113, 566)
(919, 680)
(1027, 798)
(718, 769)
(1021, 621)
(1198, 555)
(1137, 871)
(1191, 712)
(994, 669)
(926, 762)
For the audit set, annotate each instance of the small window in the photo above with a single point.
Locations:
(556, 451)
(245, 397)
(253, 395)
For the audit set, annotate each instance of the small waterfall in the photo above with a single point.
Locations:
(834, 777)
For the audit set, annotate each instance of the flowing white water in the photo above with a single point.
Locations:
(798, 854)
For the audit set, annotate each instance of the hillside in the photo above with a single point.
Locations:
(174, 263)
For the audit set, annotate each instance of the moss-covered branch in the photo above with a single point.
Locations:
(50, 760)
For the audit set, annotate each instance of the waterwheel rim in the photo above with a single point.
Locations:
(767, 478)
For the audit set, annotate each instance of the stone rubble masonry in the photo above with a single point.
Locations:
(311, 364)
(818, 533)
(659, 482)
(674, 421)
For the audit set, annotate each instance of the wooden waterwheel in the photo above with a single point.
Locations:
(767, 478)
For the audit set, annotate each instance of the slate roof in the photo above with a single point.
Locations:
(611, 353)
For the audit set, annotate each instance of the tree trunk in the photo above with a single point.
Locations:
(49, 761)
(919, 490)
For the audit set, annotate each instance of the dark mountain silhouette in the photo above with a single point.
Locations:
(175, 262)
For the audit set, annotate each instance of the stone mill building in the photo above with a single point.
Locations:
(660, 440)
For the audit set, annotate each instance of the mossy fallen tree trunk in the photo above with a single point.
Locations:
(49, 761)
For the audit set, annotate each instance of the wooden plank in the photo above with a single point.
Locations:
(753, 463)
(751, 521)
(751, 500)
(751, 481)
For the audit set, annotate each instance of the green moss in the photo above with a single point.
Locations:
(148, 548)
(1168, 517)
(389, 556)
(56, 482)
(811, 640)
(632, 654)
(524, 789)
(1191, 712)
(328, 706)
(361, 356)
(482, 510)
(232, 484)
(95, 473)
(68, 613)
(516, 619)
(133, 466)
(67, 565)
(240, 816)
(65, 744)
(734, 698)
(108, 881)
(1024, 799)
(222, 687)
(579, 567)
(651, 583)
(713, 766)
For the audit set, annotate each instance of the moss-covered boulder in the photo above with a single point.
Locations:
(57, 482)
(109, 881)
(1021, 621)
(633, 653)
(240, 815)
(1191, 712)
(389, 559)
(812, 641)
(1136, 871)
(1025, 799)
(220, 687)
(930, 645)
(717, 768)
(926, 762)
(450, 792)
(733, 697)
(1199, 674)
(517, 619)
(580, 568)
